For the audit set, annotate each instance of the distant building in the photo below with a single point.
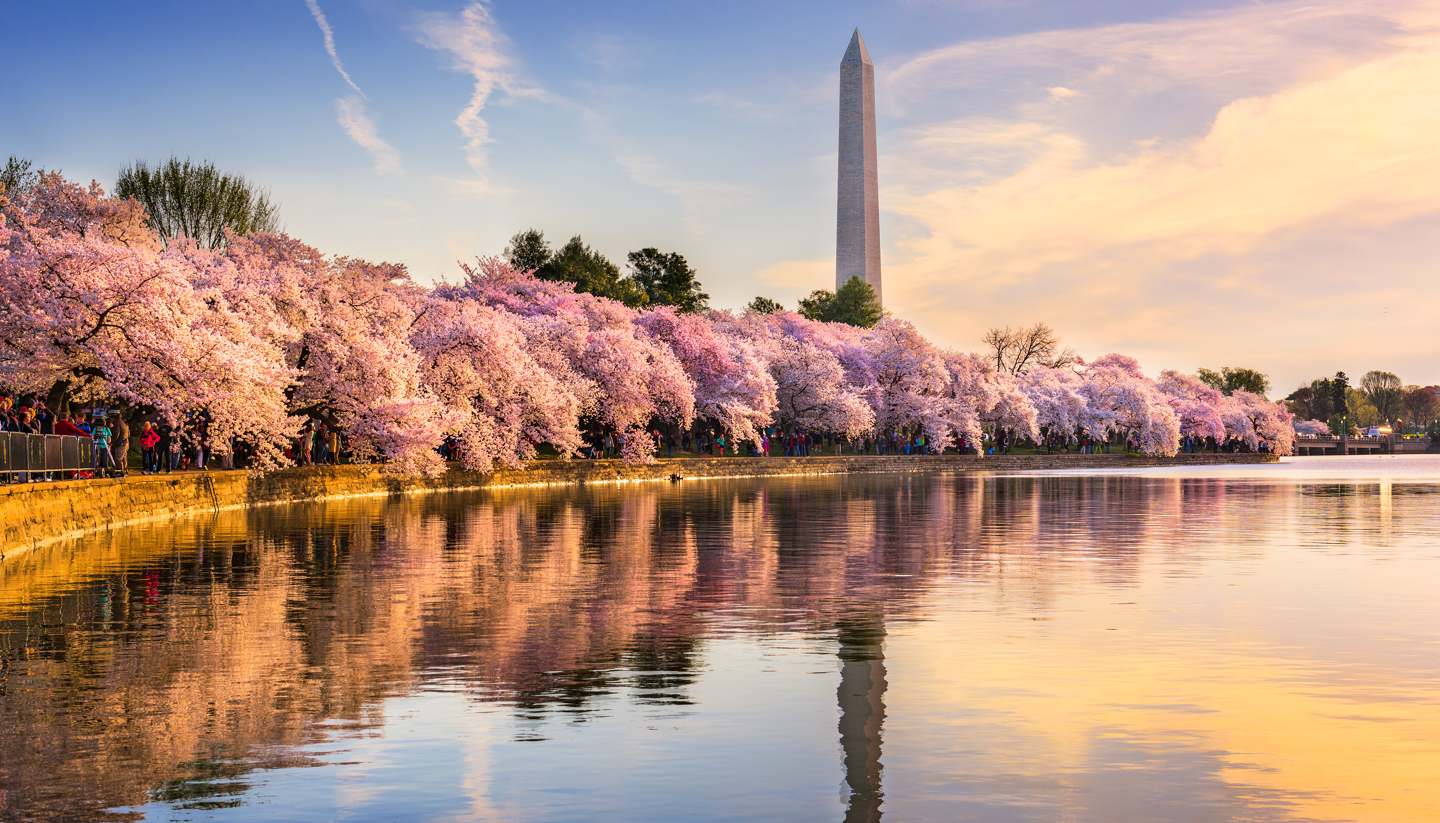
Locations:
(857, 213)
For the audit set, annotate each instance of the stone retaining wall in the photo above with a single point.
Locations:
(35, 514)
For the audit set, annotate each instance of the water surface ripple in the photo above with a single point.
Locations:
(1255, 644)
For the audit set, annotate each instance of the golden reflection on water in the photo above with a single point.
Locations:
(1043, 648)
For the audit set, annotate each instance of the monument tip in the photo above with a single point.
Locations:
(856, 52)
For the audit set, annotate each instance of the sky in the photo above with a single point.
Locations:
(1192, 183)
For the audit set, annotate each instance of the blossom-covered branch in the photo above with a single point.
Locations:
(263, 334)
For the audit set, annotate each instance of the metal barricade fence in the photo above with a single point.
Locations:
(22, 456)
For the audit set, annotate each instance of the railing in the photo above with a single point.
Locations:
(24, 455)
(1367, 443)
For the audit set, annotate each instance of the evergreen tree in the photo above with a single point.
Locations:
(1339, 391)
(591, 272)
(16, 176)
(765, 305)
(529, 250)
(855, 303)
(667, 280)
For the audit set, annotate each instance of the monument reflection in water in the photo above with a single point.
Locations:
(918, 647)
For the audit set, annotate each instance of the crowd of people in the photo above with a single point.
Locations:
(154, 444)
(32, 416)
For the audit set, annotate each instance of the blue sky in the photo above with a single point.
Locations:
(1194, 183)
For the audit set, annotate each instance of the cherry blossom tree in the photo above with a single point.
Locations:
(1256, 422)
(504, 403)
(980, 394)
(812, 393)
(626, 378)
(349, 343)
(909, 392)
(1120, 400)
(733, 386)
(1196, 404)
(93, 310)
(1060, 408)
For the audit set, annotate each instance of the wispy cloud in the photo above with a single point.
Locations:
(353, 112)
(354, 117)
(477, 47)
(328, 35)
(1249, 49)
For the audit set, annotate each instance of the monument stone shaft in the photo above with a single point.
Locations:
(857, 214)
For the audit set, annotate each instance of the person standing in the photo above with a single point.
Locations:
(100, 435)
(201, 434)
(162, 446)
(120, 444)
(26, 423)
(149, 448)
(66, 426)
(322, 444)
(44, 419)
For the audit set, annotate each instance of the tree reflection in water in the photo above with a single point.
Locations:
(168, 662)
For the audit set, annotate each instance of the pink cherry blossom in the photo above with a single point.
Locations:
(1196, 404)
(1059, 406)
(93, 309)
(1121, 401)
(270, 332)
(733, 386)
(624, 377)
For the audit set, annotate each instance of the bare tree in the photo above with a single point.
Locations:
(1016, 351)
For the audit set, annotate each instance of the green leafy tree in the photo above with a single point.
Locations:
(1360, 411)
(765, 305)
(591, 272)
(17, 176)
(529, 250)
(1236, 378)
(855, 303)
(1310, 402)
(1422, 405)
(667, 280)
(820, 305)
(1385, 391)
(196, 200)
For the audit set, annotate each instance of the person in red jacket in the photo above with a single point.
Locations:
(149, 439)
(64, 425)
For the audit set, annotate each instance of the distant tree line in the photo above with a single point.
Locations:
(1382, 398)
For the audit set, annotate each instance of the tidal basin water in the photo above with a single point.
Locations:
(1254, 643)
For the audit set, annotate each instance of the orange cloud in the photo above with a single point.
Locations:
(1076, 222)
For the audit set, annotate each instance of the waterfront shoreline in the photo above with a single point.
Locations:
(35, 515)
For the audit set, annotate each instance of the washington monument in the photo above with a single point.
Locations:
(857, 213)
